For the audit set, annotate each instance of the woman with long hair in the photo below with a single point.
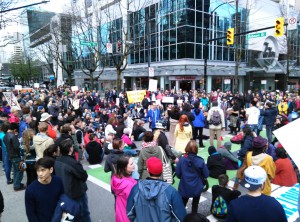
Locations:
(174, 115)
(188, 170)
(29, 154)
(183, 133)
(121, 184)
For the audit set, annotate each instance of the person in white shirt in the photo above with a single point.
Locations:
(252, 115)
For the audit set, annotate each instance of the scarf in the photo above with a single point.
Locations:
(148, 144)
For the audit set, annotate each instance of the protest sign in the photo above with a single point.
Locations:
(168, 99)
(152, 85)
(74, 88)
(136, 96)
(11, 100)
(36, 85)
(18, 87)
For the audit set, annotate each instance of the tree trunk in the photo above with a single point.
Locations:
(69, 78)
(119, 83)
(92, 80)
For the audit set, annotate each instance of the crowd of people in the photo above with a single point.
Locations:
(52, 131)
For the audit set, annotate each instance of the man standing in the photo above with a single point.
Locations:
(255, 206)
(153, 199)
(13, 150)
(252, 115)
(24, 124)
(74, 178)
(153, 115)
(269, 114)
(216, 120)
(41, 196)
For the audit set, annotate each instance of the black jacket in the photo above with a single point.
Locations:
(270, 116)
(12, 145)
(63, 137)
(137, 131)
(216, 165)
(162, 141)
(111, 161)
(94, 149)
(119, 130)
(73, 176)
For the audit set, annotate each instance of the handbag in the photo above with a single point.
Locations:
(22, 165)
(167, 169)
(204, 180)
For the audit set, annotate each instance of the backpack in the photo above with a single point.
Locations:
(219, 207)
(216, 118)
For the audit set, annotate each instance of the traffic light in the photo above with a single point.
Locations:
(230, 36)
(279, 27)
(119, 45)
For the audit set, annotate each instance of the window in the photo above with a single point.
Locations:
(189, 49)
(166, 53)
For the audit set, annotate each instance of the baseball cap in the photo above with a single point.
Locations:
(255, 176)
(154, 165)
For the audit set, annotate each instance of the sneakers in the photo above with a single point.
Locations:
(10, 181)
(22, 187)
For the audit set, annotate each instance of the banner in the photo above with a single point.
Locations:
(11, 100)
(36, 85)
(18, 87)
(167, 99)
(136, 96)
(74, 88)
(152, 85)
(24, 90)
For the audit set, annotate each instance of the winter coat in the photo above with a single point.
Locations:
(269, 116)
(182, 137)
(285, 174)
(246, 145)
(199, 119)
(215, 165)
(145, 154)
(154, 200)
(187, 170)
(111, 161)
(121, 188)
(41, 142)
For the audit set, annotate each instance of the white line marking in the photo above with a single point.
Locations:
(99, 183)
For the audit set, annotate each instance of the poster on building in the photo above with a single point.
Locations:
(152, 85)
(263, 82)
(11, 100)
(227, 81)
(136, 96)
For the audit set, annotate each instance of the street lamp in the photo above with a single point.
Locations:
(206, 42)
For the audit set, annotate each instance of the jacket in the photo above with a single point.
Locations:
(121, 188)
(12, 145)
(210, 114)
(153, 116)
(269, 116)
(199, 119)
(51, 132)
(145, 154)
(246, 145)
(22, 127)
(73, 176)
(154, 200)
(182, 137)
(187, 170)
(285, 174)
(41, 142)
(215, 165)
(111, 161)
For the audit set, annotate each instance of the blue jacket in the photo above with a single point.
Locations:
(154, 200)
(153, 115)
(22, 127)
(199, 119)
(190, 184)
(270, 116)
(246, 146)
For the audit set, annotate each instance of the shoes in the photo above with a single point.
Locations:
(202, 146)
(22, 187)
(10, 181)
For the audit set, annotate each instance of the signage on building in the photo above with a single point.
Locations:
(292, 23)
(256, 35)
(185, 77)
(263, 82)
(151, 71)
(109, 48)
(92, 44)
(227, 81)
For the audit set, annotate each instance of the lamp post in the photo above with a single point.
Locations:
(206, 42)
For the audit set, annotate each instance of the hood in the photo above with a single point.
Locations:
(40, 139)
(152, 150)
(256, 160)
(119, 185)
(151, 189)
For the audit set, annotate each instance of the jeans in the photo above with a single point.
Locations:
(269, 130)
(141, 137)
(86, 155)
(195, 134)
(254, 128)
(195, 203)
(31, 174)
(18, 175)
(7, 165)
(85, 213)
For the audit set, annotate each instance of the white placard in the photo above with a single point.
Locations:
(288, 136)
(11, 100)
(179, 101)
(227, 81)
(18, 87)
(263, 82)
(152, 85)
(117, 101)
(74, 88)
(292, 23)
(151, 71)
(168, 99)
(109, 48)
(36, 85)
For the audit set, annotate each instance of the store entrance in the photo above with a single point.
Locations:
(185, 85)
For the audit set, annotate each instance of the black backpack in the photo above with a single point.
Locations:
(216, 118)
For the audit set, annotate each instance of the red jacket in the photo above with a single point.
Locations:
(285, 174)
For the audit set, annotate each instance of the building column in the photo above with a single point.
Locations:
(133, 82)
(208, 84)
(162, 83)
(241, 84)
(193, 84)
(177, 85)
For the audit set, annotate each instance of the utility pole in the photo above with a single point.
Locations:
(236, 49)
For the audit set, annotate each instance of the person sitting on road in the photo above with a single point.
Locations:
(230, 160)
(215, 163)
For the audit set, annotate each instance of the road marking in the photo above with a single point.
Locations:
(99, 183)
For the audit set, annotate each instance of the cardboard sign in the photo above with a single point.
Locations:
(36, 85)
(74, 88)
(136, 96)
(168, 99)
(11, 100)
(152, 85)
(18, 87)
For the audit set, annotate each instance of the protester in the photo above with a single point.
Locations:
(162, 200)
(113, 156)
(230, 160)
(255, 206)
(42, 141)
(198, 124)
(5, 158)
(93, 150)
(121, 184)
(246, 143)
(138, 130)
(52, 130)
(191, 166)
(174, 115)
(183, 133)
(215, 163)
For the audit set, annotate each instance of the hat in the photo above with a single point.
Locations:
(255, 176)
(227, 145)
(211, 150)
(259, 142)
(40, 108)
(45, 116)
(154, 165)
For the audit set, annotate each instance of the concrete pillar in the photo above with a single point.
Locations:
(162, 82)
(133, 82)
(177, 85)
(241, 84)
(208, 84)
(193, 84)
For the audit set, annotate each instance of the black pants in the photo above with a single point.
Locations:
(195, 203)
(195, 134)
(31, 174)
